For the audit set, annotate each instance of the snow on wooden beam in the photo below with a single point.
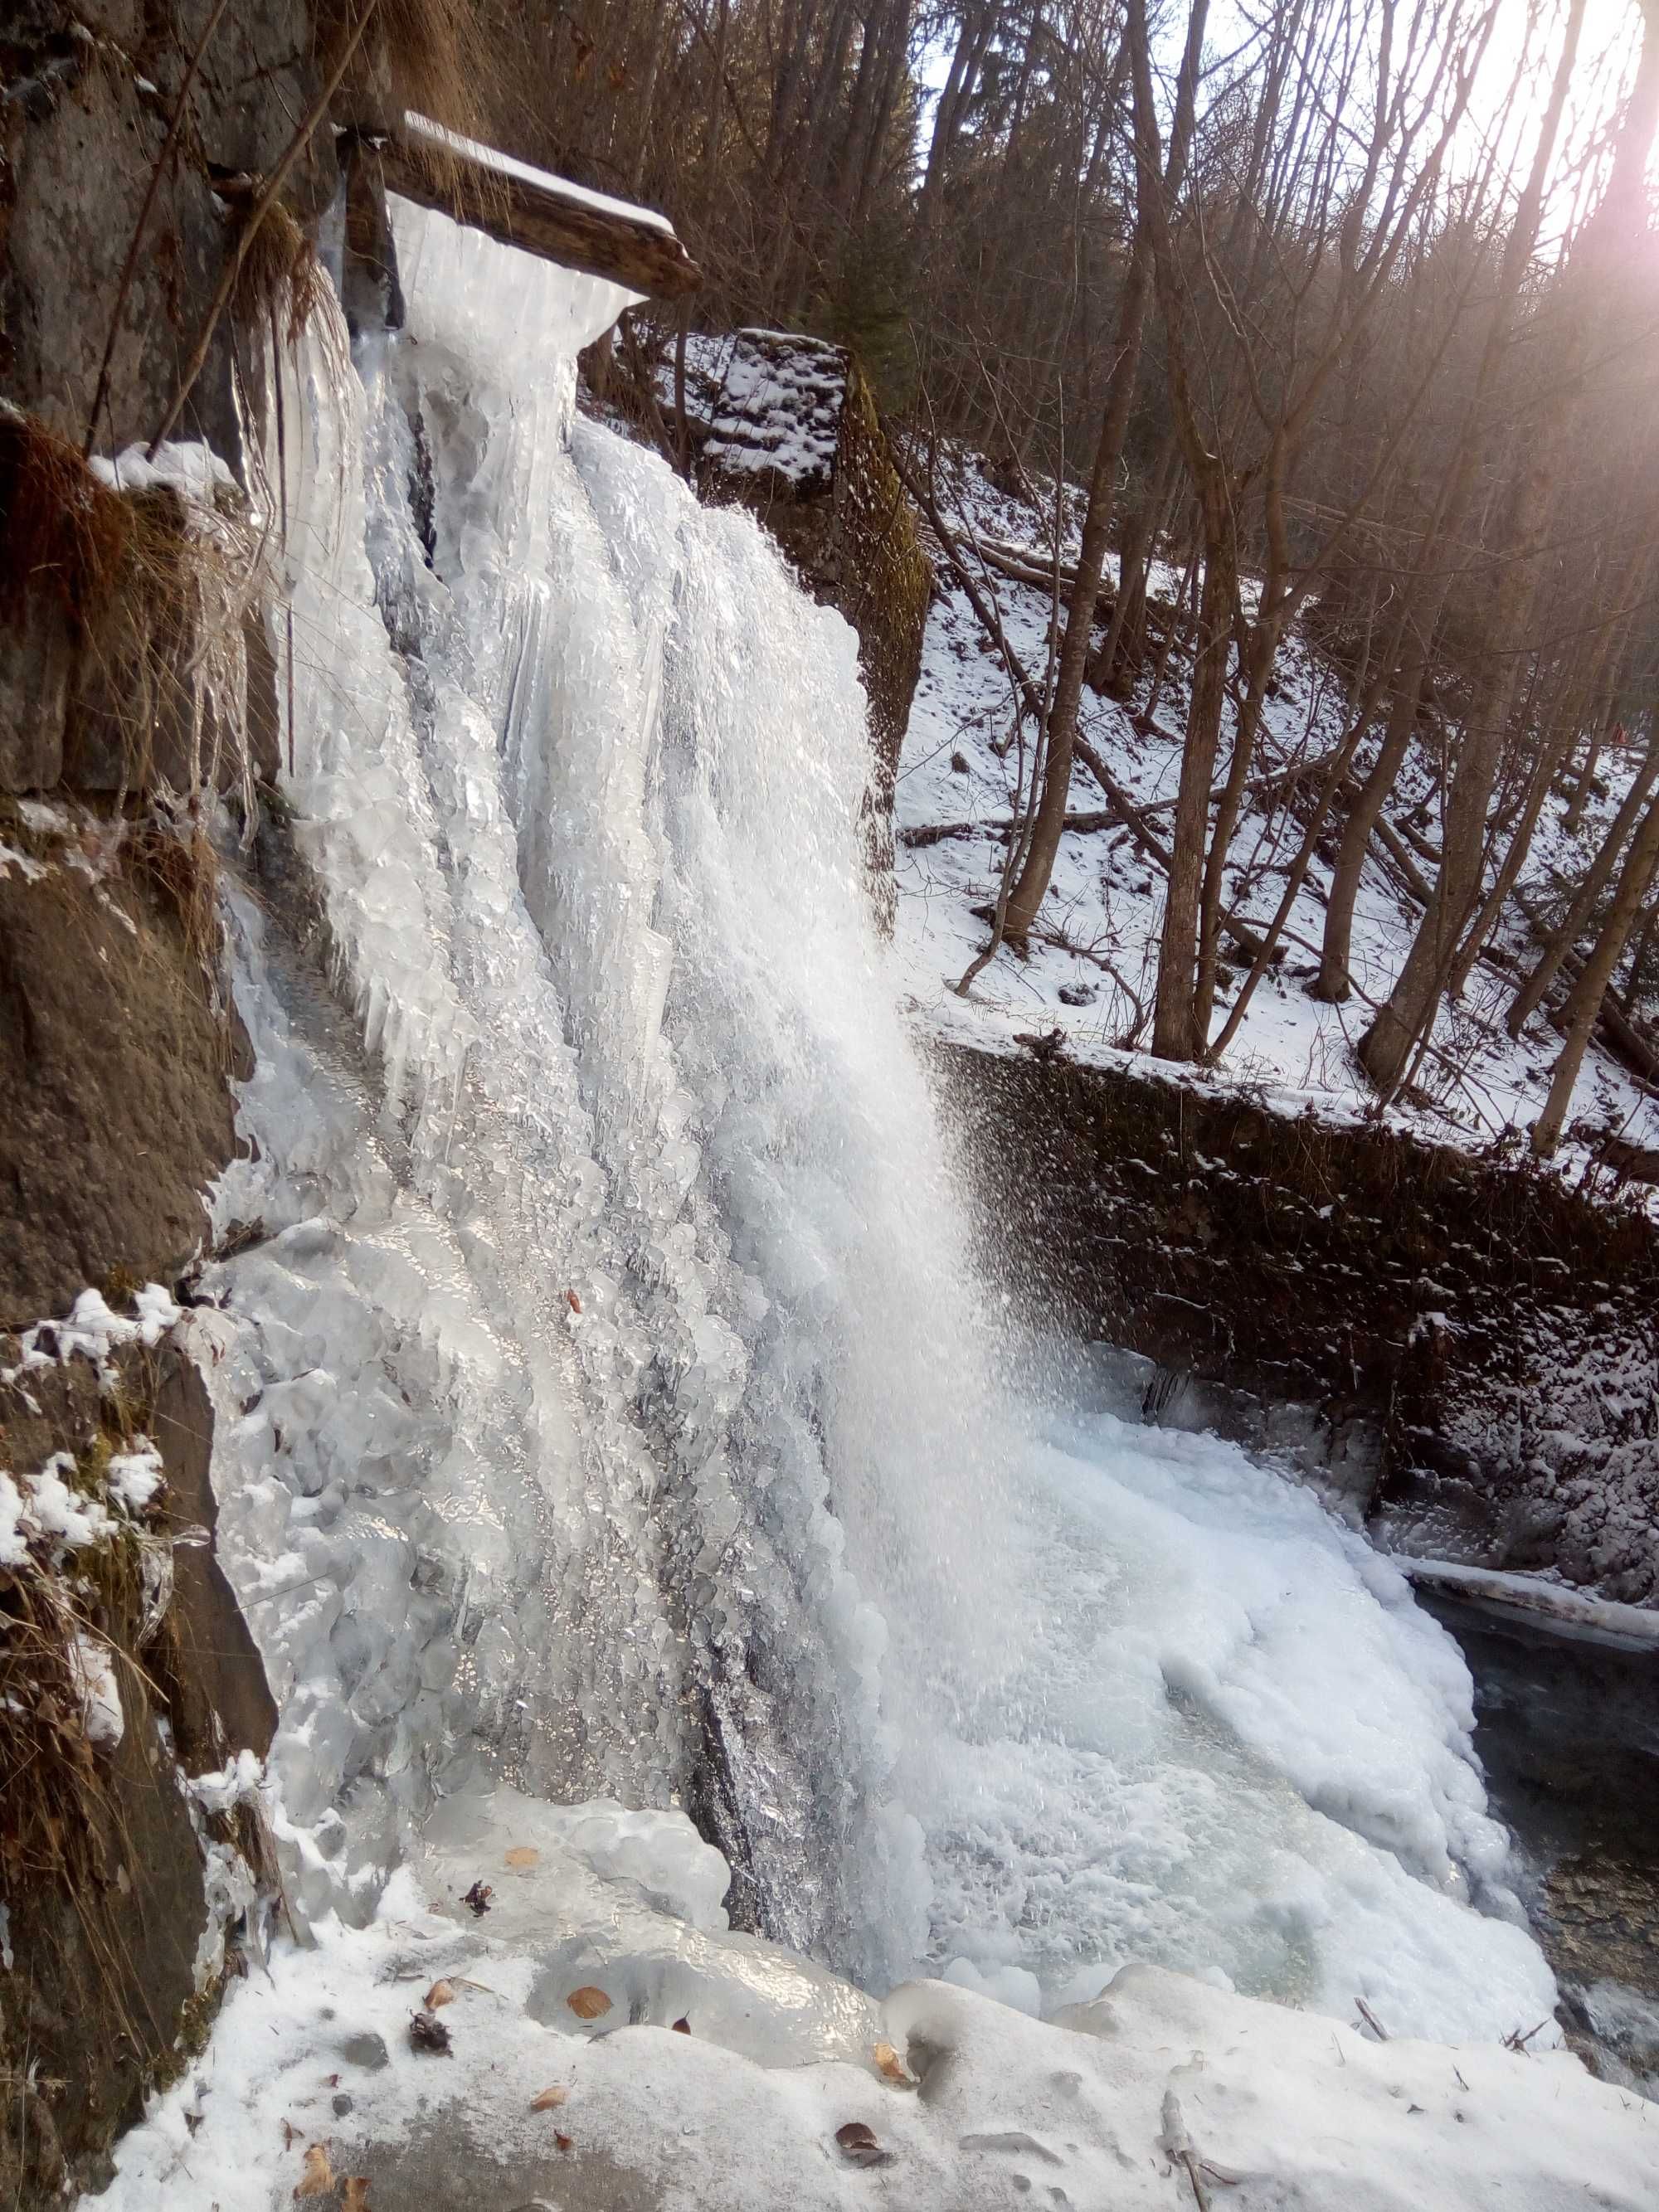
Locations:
(537, 213)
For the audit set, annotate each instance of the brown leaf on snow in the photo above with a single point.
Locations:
(523, 1855)
(587, 2003)
(573, 1301)
(355, 2196)
(682, 2026)
(891, 2067)
(859, 2145)
(290, 2135)
(563, 2141)
(441, 1993)
(550, 2098)
(317, 2176)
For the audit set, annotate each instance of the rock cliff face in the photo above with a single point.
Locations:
(122, 1891)
(1498, 1332)
(128, 1893)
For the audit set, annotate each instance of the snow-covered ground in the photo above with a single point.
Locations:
(1091, 972)
(603, 2043)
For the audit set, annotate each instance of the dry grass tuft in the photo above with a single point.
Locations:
(62, 532)
(444, 61)
(458, 64)
(183, 869)
(281, 285)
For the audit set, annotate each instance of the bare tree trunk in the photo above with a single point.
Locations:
(665, 16)
(711, 143)
(1175, 1035)
(1335, 982)
(1584, 1006)
(978, 22)
(1586, 898)
(1580, 799)
(1034, 879)
(1408, 1014)
(1138, 538)
(893, 75)
(1543, 776)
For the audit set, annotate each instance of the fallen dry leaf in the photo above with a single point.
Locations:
(573, 1301)
(478, 1898)
(441, 1993)
(523, 1855)
(563, 2141)
(290, 2135)
(317, 2175)
(550, 2098)
(355, 2196)
(891, 2067)
(859, 2146)
(587, 2003)
(681, 2027)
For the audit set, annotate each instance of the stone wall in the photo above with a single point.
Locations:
(1498, 1330)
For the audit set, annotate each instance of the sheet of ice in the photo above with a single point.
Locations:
(606, 1405)
(1133, 2102)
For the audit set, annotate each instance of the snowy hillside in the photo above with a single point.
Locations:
(1091, 972)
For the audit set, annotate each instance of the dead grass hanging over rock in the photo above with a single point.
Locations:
(161, 705)
(281, 285)
(63, 533)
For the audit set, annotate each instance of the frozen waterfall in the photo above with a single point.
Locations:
(606, 1403)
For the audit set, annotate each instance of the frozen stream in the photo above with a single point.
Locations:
(606, 1405)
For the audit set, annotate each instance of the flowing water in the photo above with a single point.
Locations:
(606, 1400)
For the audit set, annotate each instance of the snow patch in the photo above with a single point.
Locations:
(92, 1668)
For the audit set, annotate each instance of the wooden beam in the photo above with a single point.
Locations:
(510, 203)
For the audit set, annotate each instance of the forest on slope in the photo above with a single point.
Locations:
(1328, 324)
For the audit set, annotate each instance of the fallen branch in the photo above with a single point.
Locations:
(1371, 2021)
(938, 833)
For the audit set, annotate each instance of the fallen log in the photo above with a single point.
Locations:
(938, 833)
(539, 213)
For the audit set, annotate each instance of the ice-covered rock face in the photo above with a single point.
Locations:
(609, 1408)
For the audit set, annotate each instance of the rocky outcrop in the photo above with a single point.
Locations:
(120, 1890)
(88, 100)
(1498, 1330)
(116, 1050)
(127, 1669)
(128, 1896)
(795, 436)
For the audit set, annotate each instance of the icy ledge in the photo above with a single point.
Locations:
(1162, 2093)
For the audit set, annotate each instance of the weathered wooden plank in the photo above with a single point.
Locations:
(516, 206)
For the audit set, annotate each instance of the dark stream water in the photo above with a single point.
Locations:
(1568, 1733)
